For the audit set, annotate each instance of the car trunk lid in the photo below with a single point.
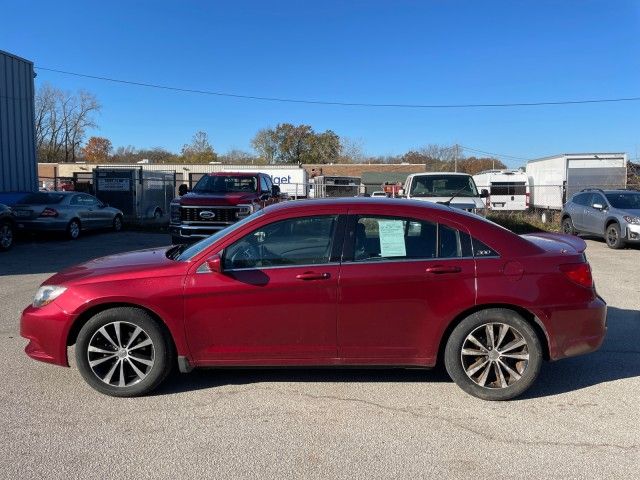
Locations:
(556, 242)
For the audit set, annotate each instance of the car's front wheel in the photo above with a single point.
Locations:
(613, 236)
(6, 236)
(123, 352)
(73, 229)
(567, 226)
(117, 223)
(493, 354)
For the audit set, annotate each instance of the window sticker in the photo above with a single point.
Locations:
(391, 238)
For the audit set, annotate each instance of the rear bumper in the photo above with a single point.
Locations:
(576, 330)
(44, 225)
(46, 329)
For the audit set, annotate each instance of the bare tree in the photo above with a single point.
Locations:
(62, 120)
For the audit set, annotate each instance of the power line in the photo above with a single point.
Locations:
(493, 153)
(342, 104)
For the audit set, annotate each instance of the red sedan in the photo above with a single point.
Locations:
(355, 282)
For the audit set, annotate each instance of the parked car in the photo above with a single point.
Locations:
(357, 282)
(455, 189)
(7, 228)
(612, 214)
(218, 200)
(68, 212)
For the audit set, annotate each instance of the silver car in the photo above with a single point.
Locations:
(70, 212)
(612, 214)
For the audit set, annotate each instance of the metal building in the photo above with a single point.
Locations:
(18, 170)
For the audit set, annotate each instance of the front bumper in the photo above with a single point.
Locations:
(633, 232)
(46, 328)
(193, 233)
(576, 330)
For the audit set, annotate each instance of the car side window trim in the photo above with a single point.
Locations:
(348, 249)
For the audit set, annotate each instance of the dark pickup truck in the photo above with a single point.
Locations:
(217, 201)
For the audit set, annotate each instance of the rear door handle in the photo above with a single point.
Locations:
(313, 276)
(443, 269)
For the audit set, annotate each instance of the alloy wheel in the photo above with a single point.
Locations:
(6, 236)
(120, 354)
(612, 236)
(495, 355)
(74, 230)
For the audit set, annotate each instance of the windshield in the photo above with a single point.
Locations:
(443, 186)
(184, 253)
(226, 184)
(624, 201)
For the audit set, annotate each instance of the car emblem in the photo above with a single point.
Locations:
(206, 214)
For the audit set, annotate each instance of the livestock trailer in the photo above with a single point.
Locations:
(552, 180)
(508, 189)
(329, 186)
(140, 194)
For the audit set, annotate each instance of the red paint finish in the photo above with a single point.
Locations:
(390, 312)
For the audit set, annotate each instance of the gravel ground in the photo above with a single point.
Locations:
(579, 421)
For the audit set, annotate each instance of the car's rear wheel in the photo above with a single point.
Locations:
(613, 236)
(6, 236)
(567, 226)
(117, 223)
(493, 354)
(73, 229)
(123, 352)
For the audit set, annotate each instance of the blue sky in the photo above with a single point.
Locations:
(440, 52)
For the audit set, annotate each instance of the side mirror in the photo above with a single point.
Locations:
(215, 263)
(183, 189)
(275, 190)
(484, 193)
(598, 206)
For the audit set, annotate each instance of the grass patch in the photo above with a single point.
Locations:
(525, 222)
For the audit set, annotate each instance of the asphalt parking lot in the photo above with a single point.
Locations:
(581, 419)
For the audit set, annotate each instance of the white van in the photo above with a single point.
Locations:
(458, 189)
(508, 189)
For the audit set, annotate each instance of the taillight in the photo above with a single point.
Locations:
(49, 212)
(579, 273)
(526, 199)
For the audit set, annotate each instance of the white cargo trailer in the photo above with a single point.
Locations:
(508, 189)
(552, 180)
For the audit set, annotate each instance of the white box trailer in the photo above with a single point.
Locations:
(508, 189)
(552, 180)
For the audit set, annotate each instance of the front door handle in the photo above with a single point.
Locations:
(313, 276)
(443, 269)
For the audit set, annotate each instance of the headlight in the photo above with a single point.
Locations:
(175, 213)
(47, 294)
(629, 219)
(245, 210)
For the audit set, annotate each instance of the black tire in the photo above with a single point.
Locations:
(159, 352)
(613, 236)
(117, 223)
(495, 388)
(7, 235)
(73, 229)
(157, 214)
(567, 226)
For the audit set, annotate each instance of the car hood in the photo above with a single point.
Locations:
(212, 199)
(634, 212)
(140, 263)
(465, 203)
